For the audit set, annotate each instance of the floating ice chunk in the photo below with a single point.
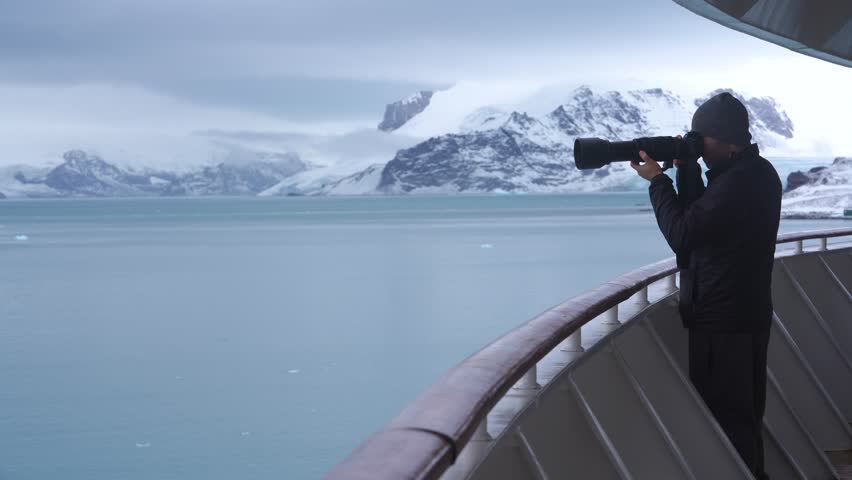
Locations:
(295, 370)
(21, 238)
(143, 444)
(486, 245)
(245, 434)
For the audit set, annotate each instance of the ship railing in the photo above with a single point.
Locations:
(448, 424)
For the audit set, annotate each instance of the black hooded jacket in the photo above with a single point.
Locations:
(724, 240)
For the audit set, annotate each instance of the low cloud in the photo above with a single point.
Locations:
(140, 80)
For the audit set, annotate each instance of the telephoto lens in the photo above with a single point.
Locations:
(596, 152)
(592, 153)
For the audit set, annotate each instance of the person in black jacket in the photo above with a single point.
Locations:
(724, 238)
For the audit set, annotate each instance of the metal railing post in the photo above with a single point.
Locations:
(471, 454)
(574, 343)
(610, 319)
(572, 347)
(642, 298)
(671, 283)
(799, 248)
(481, 434)
(823, 244)
(529, 381)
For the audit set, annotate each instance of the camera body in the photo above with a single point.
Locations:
(592, 153)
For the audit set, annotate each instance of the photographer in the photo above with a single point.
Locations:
(724, 239)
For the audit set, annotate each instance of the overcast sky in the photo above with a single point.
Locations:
(287, 62)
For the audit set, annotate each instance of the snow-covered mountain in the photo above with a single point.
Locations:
(523, 154)
(821, 192)
(82, 174)
(248, 178)
(360, 183)
(397, 113)
(24, 181)
(508, 146)
(767, 121)
(498, 151)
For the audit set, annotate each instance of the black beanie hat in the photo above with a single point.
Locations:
(724, 118)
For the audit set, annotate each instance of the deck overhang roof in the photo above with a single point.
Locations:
(819, 28)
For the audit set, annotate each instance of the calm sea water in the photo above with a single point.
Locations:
(264, 338)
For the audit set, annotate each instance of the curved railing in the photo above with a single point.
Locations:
(428, 435)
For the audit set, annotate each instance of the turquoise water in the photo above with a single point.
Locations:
(264, 338)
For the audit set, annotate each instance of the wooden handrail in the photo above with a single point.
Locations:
(427, 436)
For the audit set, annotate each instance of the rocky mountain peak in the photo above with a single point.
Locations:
(80, 161)
(84, 174)
(764, 113)
(608, 115)
(520, 121)
(824, 191)
(657, 95)
(400, 112)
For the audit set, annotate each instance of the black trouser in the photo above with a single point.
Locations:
(729, 372)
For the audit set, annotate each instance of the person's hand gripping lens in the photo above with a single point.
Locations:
(650, 168)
